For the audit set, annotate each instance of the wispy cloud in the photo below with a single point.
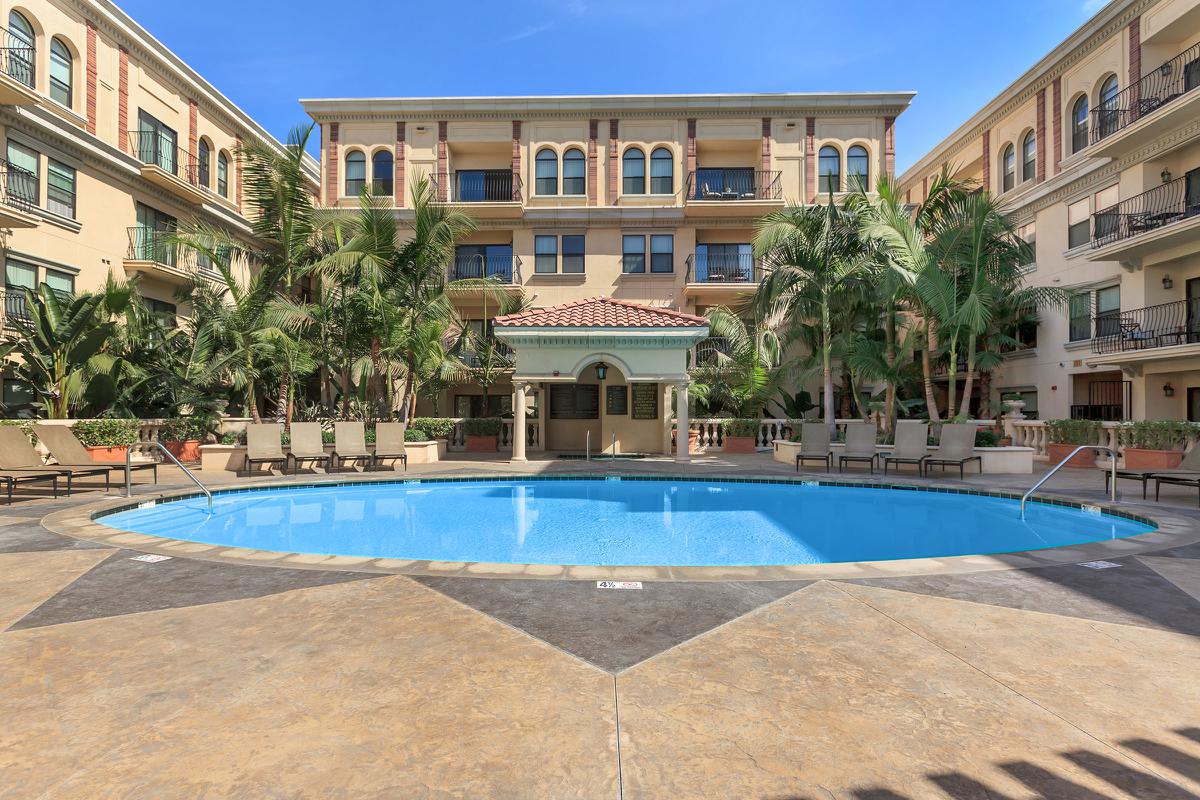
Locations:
(1090, 7)
(525, 33)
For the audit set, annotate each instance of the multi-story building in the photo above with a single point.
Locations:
(1095, 154)
(650, 199)
(110, 139)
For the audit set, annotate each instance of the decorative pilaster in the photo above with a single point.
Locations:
(1135, 60)
(889, 146)
(237, 173)
(691, 152)
(1056, 98)
(123, 98)
(443, 164)
(987, 161)
(398, 166)
(810, 159)
(92, 78)
(331, 164)
(613, 146)
(516, 159)
(1040, 134)
(766, 149)
(593, 166)
(193, 110)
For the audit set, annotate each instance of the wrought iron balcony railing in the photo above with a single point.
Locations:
(151, 147)
(156, 246)
(474, 267)
(17, 58)
(15, 307)
(723, 268)
(1172, 80)
(502, 356)
(1162, 325)
(1164, 204)
(18, 187)
(734, 183)
(478, 186)
(709, 351)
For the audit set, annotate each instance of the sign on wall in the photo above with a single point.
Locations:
(616, 401)
(645, 400)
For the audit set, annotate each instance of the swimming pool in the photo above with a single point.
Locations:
(612, 522)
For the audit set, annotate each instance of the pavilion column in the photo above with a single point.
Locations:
(519, 434)
(668, 390)
(682, 453)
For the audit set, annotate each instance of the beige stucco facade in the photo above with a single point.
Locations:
(1112, 206)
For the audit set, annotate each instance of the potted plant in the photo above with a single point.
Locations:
(182, 436)
(741, 435)
(482, 434)
(1067, 434)
(439, 429)
(1013, 405)
(1155, 444)
(107, 440)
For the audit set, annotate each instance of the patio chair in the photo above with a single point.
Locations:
(67, 451)
(860, 445)
(17, 456)
(264, 445)
(350, 444)
(956, 448)
(1188, 467)
(911, 447)
(307, 445)
(814, 445)
(389, 443)
(11, 479)
(1177, 480)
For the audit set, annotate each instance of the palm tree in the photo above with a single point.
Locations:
(741, 375)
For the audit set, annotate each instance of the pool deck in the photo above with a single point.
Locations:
(195, 677)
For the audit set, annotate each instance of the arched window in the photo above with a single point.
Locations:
(1108, 91)
(203, 159)
(20, 49)
(1107, 113)
(858, 170)
(829, 170)
(574, 167)
(1008, 169)
(633, 168)
(381, 173)
(662, 171)
(60, 72)
(1079, 124)
(546, 172)
(1029, 157)
(223, 174)
(356, 173)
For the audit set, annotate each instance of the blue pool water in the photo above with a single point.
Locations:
(620, 522)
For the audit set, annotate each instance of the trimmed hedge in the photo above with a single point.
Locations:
(482, 426)
(107, 432)
(185, 429)
(415, 435)
(742, 428)
(434, 427)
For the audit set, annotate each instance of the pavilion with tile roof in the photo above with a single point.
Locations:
(604, 370)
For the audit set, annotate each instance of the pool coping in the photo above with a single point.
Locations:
(80, 523)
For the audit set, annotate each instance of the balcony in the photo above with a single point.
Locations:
(715, 190)
(14, 306)
(1155, 333)
(152, 253)
(18, 197)
(1147, 224)
(501, 358)
(16, 73)
(494, 191)
(708, 352)
(166, 165)
(1161, 101)
(504, 271)
(717, 275)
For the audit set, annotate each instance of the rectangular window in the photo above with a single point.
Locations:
(18, 398)
(633, 254)
(148, 242)
(1080, 324)
(19, 275)
(575, 401)
(156, 143)
(662, 253)
(545, 254)
(1108, 311)
(61, 282)
(165, 311)
(60, 189)
(1107, 219)
(572, 255)
(1078, 228)
(1028, 234)
(23, 180)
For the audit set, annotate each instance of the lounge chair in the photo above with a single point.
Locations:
(350, 444)
(1178, 480)
(814, 445)
(307, 445)
(1188, 467)
(17, 456)
(912, 446)
(264, 445)
(11, 479)
(389, 443)
(955, 448)
(67, 451)
(860, 445)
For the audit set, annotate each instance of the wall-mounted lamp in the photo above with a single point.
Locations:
(1167, 282)
(1165, 175)
(601, 371)
(1168, 390)
(1165, 69)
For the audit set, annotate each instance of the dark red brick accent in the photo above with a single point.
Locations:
(331, 163)
(924, 188)
(91, 77)
(123, 98)
(443, 164)
(1056, 98)
(193, 112)
(237, 172)
(614, 128)
(766, 146)
(889, 146)
(516, 157)
(593, 168)
(691, 151)
(1135, 60)
(987, 161)
(810, 159)
(1040, 133)
(398, 164)
(908, 195)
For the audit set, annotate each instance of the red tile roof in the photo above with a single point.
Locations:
(601, 312)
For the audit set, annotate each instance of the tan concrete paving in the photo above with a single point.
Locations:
(29, 579)
(1183, 572)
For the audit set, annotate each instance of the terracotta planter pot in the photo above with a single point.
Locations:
(1082, 459)
(1004, 441)
(1138, 458)
(739, 444)
(483, 444)
(108, 455)
(187, 451)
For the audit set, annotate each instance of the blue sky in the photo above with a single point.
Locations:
(955, 54)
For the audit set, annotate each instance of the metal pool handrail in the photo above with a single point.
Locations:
(587, 446)
(167, 453)
(1059, 465)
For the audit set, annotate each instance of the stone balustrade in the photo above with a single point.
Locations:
(711, 431)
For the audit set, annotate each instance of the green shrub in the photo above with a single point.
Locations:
(184, 429)
(1073, 431)
(742, 427)
(481, 426)
(415, 435)
(1162, 434)
(233, 437)
(434, 427)
(986, 437)
(107, 432)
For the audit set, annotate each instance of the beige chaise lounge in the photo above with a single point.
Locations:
(264, 445)
(350, 444)
(389, 443)
(955, 448)
(1189, 467)
(67, 451)
(860, 445)
(17, 457)
(814, 445)
(307, 445)
(911, 447)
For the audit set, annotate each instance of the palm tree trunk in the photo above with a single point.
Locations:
(889, 392)
(969, 383)
(985, 394)
(281, 397)
(931, 405)
(952, 374)
(863, 412)
(827, 368)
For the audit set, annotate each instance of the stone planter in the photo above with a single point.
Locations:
(443, 447)
(739, 444)
(1139, 458)
(1084, 459)
(483, 444)
(187, 451)
(107, 455)
(422, 452)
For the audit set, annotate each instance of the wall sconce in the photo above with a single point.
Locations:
(1165, 69)
(1167, 282)
(1168, 390)
(1165, 175)
(601, 371)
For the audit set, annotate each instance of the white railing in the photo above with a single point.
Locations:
(710, 431)
(1034, 433)
(533, 438)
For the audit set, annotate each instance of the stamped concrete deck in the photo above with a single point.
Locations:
(197, 678)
